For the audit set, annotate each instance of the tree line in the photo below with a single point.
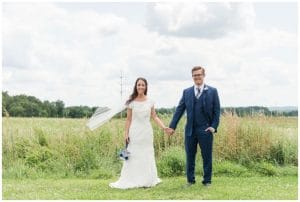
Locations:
(30, 106)
(257, 110)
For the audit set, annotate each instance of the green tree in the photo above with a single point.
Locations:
(59, 108)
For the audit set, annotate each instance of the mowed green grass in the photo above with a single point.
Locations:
(246, 188)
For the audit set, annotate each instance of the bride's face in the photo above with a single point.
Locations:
(141, 87)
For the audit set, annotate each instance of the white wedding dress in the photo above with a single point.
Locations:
(140, 169)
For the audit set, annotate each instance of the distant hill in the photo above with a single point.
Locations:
(284, 109)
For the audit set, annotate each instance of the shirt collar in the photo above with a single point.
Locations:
(201, 87)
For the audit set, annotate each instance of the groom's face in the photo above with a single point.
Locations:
(198, 77)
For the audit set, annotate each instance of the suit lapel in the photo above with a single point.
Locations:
(191, 97)
(205, 89)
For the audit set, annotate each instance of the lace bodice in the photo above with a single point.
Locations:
(141, 111)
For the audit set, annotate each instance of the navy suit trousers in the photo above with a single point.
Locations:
(205, 141)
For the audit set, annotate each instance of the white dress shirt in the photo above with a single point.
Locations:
(201, 89)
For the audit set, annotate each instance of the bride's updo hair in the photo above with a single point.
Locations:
(135, 93)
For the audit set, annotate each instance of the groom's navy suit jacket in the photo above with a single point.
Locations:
(211, 108)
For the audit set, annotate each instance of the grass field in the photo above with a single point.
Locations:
(48, 158)
(171, 188)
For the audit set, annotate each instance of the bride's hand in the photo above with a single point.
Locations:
(169, 131)
(127, 140)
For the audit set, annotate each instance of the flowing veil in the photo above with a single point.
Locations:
(104, 114)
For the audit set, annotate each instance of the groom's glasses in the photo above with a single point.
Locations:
(195, 75)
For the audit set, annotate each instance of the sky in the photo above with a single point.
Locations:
(76, 52)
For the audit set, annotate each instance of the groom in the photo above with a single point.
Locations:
(202, 106)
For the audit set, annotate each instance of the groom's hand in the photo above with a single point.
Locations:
(211, 129)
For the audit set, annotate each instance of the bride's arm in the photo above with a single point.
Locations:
(127, 124)
(156, 119)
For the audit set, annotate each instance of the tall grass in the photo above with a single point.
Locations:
(259, 138)
(42, 147)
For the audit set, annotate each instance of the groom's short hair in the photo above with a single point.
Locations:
(197, 68)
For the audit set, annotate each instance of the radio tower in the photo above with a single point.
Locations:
(121, 85)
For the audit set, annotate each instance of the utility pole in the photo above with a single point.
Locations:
(121, 85)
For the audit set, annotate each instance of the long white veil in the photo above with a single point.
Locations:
(104, 114)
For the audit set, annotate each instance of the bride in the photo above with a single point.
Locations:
(140, 169)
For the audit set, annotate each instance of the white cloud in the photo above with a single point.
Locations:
(76, 55)
(200, 20)
(46, 48)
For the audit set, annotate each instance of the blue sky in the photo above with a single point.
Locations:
(75, 51)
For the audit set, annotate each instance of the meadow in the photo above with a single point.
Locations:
(64, 152)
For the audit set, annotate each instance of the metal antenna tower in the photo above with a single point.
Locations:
(121, 85)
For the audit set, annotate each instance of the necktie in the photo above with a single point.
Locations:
(198, 93)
